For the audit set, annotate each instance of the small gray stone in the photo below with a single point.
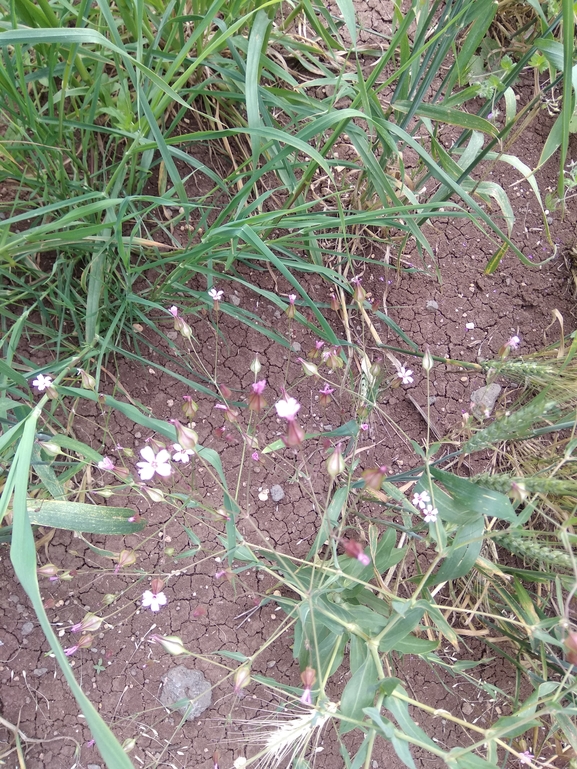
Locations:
(483, 400)
(296, 346)
(172, 335)
(27, 628)
(182, 683)
(234, 299)
(276, 493)
(432, 305)
(93, 766)
(40, 672)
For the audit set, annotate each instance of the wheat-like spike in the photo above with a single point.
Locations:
(515, 425)
(535, 484)
(533, 550)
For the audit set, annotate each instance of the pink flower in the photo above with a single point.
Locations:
(215, 295)
(153, 600)
(292, 298)
(306, 698)
(106, 464)
(290, 310)
(513, 343)
(255, 456)
(319, 343)
(430, 514)
(326, 393)
(526, 757)
(173, 311)
(255, 400)
(354, 549)
(154, 463)
(405, 375)
(182, 455)
(364, 427)
(287, 408)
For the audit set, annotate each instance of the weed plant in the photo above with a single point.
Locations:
(351, 597)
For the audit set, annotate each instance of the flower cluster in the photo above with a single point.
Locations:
(422, 500)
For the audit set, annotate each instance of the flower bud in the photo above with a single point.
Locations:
(359, 293)
(335, 304)
(354, 549)
(156, 444)
(125, 558)
(85, 641)
(241, 678)
(309, 369)
(225, 391)
(109, 599)
(308, 677)
(336, 463)
(156, 585)
(170, 643)
(90, 623)
(51, 448)
(88, 382)
(427, 360)
(375, 476)
(186, 437)
(256, 366)
(48, 570)
(295, 435)
(155, 495)
(571, 648)
(52, 393)
(129, 744)
(376, 370)
(122, 472)
(290, 309)
(189, 407)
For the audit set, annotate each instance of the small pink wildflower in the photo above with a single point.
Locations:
(106, 464)
(364, 427)
(255, 400)
(173, 311)
(319, 343)
(325, 395)
(215, 295)
(42, 382)
(514, 342)
(290, 309)
(526, 757)
(182, 455)
(154, 463)
(287, 408)
(255, 456)
(405, 375)
(354, 549)
(430, 514)
(153, 600)
(421, 499)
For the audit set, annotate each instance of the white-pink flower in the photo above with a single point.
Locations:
(287, 408)
(173, 311)
(526, 757)
(42, 382)
(154, 463)
(258, 387)
(514, 342)
(106, 464)
(405, 375)
(292, 298)
(153, 601)
(215, 295)
(182, 455)
(430, 514)
(420, 499)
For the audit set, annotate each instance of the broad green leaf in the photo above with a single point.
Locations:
(78, 516)
(462, 554)
(358, 694)
(387, 729)
(399, 627)
(470, 496)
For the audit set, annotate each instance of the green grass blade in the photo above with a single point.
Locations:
(23, 557)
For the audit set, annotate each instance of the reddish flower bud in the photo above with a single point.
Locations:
(308, 677)
(335, 304)
(185, 437)
(226, 392)
(241, 678)
(48, 570)
(189, 407)
(336, 463)
(295, 435)
(200, 611)
(571, 648)
(354, 549)
(375, 476)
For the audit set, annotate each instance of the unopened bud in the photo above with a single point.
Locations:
(226, 392)
(129, 744)
(241, 678)
(88, 382)
(85, 641)
(354, 549)
(156, 585)
(295, 435)
(185, 437)
(48, 570)
(359, 293)
(170, 643)
(91, 623)
(156, 444)
(571, 648)
(427, 360)
(308, 677)
(309, 369)
(336, 463)
(122, 472)
(189, 407)
(109, 599)
(335, 304)
(51, 448)
(256, 366)
(155, 495)
(52, 393)
(125, 558)
(375, 476)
